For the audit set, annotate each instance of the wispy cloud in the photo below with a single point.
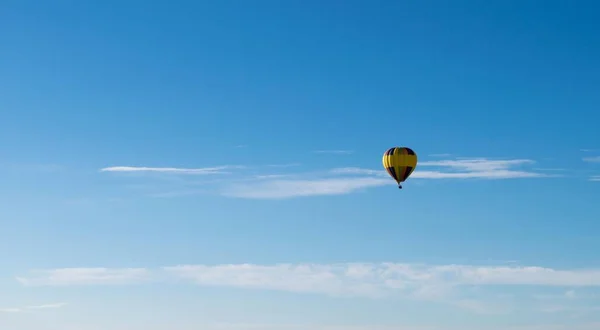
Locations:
(26, 308)
(258, 326)
(449, 284)
(282, 326)
(476, 168)
(368, 279)
(281, 188)
(480, 307)
(11, 310)
(272, 176)
(267, 184)
(205, 170)
(355, 179)
(47, 306)
(334, 152)
(570, 294)
(565, 308)
(550, 169)
(595, 159)
(481, 168)
(85, 276)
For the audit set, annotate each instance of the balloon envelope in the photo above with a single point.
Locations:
(399, 162)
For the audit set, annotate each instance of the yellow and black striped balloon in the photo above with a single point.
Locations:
(399, 162)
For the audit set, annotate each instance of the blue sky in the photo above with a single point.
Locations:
(217, 165)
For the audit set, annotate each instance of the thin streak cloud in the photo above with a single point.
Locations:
(85, 276)
(47, 306)
(267, 184)
(480, 168)
(10, 310)
(595, 159)
(343, 278)
(206, 170)
(282, 189)
(34, 307)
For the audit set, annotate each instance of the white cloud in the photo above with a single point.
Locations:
(335, 152)
(477, 164)
(359, 178)
(549, 169)
(355, 279)
(47, 306)
(570, 294)
(251, 326)
(85, 276)
(553, 309)
(269, 185)
(595, 159)
(477, 168)
(279, 189)
(369, 279)
(481, 168)
(10, 310)
(23, 309)
(480, 307)
(174, 170)
(272, 176)
(257, 326)
(595, 178)
(459, 286)
(497, 174)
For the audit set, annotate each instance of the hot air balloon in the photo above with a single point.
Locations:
(399, 162)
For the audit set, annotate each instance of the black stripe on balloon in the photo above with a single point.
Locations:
(409, 151)
(392, 172)
(407, 173)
